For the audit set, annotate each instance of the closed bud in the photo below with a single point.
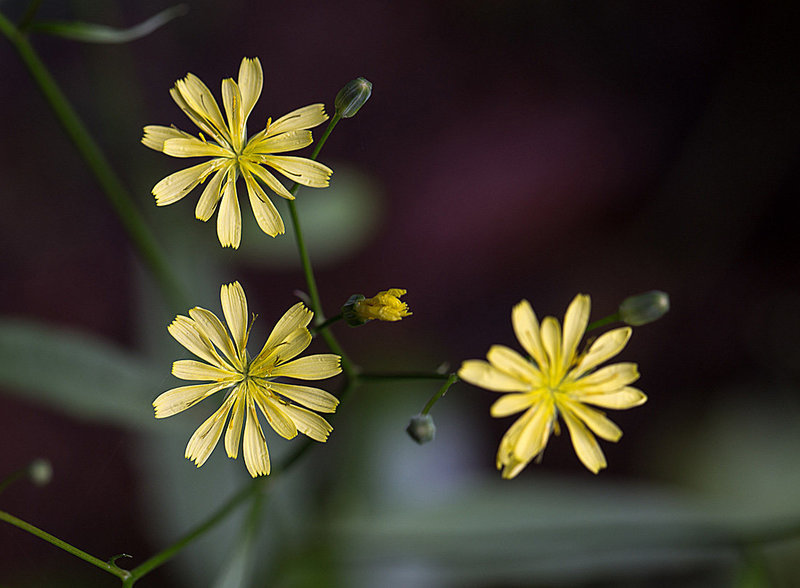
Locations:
(41, 472)
(421, 428)
(384, 306)
(352, 97)
(644, 308)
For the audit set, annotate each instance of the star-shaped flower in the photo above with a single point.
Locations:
(249, 383)
(233, 155)
(556, 380)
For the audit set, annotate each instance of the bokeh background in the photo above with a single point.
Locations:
(511, 150)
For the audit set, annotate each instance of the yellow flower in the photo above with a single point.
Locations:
(249, 383)
(233, 155)
(556, 380)
(384, 306)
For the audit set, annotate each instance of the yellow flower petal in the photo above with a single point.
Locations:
(621, 399)
(534, 435)
(309, 424)
(302, 118)
(605, 347)
(594, 419)
(184, 331)
(179, 399)
(256, 455)
(303, 171)
(267, 216)
(512, 363)
(575, 321)
(205, 438)
(288, 141)
(526, 328)
(155, 136)
(312, 398)
(297, 317)
(234, 307)
(176, 186)
(311, 367)
(251, 81)
(211, 195)
(551, 341)
(268, 179)
(199, 104)
(511, 404)
(212, 328)
(229, 219)
(294, 344)
(194, 147)
(606, 379)
(232, 101)
(234, 431)
(584, 443)
(274, 411)
(485, 375)
(189, 369)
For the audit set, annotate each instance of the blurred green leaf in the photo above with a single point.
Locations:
(80, 375)
(96, 33)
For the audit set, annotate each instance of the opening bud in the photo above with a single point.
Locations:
(644, 308)
(384, 306)
(352, 97)
(421, 428)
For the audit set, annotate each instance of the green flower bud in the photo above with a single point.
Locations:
(644, 308)
(421, 428)
(352, 97)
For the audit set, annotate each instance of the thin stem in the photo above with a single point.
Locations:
(10, 479)
(30, 14)
(95, 561)
(452, 379)
(119, 198)
(603, 321)
(328, 322)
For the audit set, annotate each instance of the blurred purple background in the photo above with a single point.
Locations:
(519, 149)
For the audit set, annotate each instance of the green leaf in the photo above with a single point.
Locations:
(96, 33)
(80, 375)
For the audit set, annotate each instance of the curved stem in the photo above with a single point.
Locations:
(603, 321)
(452, 379)
(119, 198)
(95, 561)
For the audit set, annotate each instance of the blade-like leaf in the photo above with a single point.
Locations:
(97, 33)
(80, 375)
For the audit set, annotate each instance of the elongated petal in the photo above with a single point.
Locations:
(312, 398)
(232, 100)
(267, 216)
(212, 327)
(586, 447)
(176, 186)
(179, 399)
(292, 346)
(200, 100)
(234, 431)
(234, 307)
(311, 367)
(271, 181)
(256, 455)
(251, 81)
(198, 119)
(575, 321)
(594, 419)
(605, 347)
(627, 397)
(155, 136)
(480, 373)
(299, 169)
(302, 118)
(606, 379)
(289, 141)
(309, 424)
(551, 340)
(526, 328)
(274, 411)
(509, 361)
(229, 219)
(194, 147)
(297, 317)
(184, 331)
(189, 369)
(536, 432)
(211, 195)
(205, 438)
(511, 404)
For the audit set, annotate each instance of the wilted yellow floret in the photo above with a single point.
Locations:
(384, 306)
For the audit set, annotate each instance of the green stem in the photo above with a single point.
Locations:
(603, 321)
(30, 14)
(452, 379)
(10, 479)
(119, 198)
(124, 575)
(328, 322)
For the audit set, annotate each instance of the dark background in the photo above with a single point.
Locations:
(516, 150)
